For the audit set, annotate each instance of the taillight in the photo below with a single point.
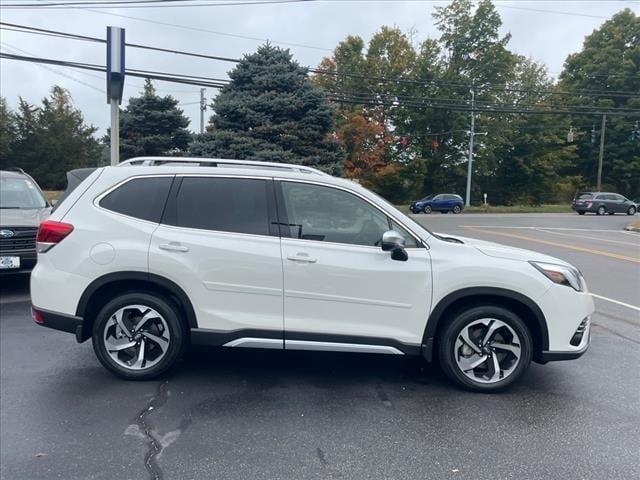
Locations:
(37, 316)
(51, 233)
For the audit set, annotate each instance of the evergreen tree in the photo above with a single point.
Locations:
(152, 125)
(270, 111)
(52, 139)
(8, 131)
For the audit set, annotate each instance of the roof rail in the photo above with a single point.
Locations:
(218, 162)
(15, 169)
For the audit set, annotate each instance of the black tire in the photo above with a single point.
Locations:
(457, 209)
(601, 210)
(581, 213)
(632, 210)
(427, 209)
(176, 328)
(446, 342)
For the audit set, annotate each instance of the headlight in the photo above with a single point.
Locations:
(560, 274)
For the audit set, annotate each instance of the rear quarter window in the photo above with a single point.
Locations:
(142, 198)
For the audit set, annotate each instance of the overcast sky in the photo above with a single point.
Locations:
(315, 26)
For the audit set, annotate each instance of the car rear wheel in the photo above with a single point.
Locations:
(601, 210)
(631, 211)
(485, 348)
(427, 209)
(138, 336)
(457, 209)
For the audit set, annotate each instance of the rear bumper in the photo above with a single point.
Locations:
(59, 321)
(583, 208)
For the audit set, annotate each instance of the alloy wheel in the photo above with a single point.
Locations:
(487, 350)
(136, 337)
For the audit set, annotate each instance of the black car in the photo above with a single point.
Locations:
(443, 202)
(601, 203)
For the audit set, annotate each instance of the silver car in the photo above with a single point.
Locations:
(22, 208)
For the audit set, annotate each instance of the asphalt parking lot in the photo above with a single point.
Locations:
(268, 415)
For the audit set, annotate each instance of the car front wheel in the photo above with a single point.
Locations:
(457, 209)
(427, 209)
(631, 211)
(485, 348)
(138, 336)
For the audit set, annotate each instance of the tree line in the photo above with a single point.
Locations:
(393, 114)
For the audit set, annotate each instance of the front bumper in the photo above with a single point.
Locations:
(582, 347)
(28, 260)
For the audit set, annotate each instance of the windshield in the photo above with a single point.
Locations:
(20, 193)
(428, 197)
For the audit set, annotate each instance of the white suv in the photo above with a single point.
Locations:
(156, 254)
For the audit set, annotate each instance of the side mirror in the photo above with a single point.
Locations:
(393, 242)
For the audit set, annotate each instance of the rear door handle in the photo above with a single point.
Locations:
(302, 258)
(173, 247)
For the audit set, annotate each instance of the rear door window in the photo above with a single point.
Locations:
(237, 205)
(142, 198)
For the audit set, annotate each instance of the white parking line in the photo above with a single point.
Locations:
(551, 230)
(617, 302)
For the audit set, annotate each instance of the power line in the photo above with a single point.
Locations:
(582, 92)
(204, 30)
(161, 76)
(208, 82)
(144, 5)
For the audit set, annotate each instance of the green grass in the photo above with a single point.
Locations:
(52, 194)
(509, 209)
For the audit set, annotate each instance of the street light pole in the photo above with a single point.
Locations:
(601, 156)
(471, 135)
(115, 133)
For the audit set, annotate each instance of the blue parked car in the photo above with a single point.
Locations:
(442, 202)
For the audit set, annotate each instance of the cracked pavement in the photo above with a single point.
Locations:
(274, 415)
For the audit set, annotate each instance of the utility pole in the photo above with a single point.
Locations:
(203, 108)
(600, 158)
(471, 135)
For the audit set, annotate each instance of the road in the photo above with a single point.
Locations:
(275, 415)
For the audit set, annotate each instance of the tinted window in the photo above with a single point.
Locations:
(584, 196)
(409, 241)
(20, 193)
(331, 215)
(142, 198)
(236, 205)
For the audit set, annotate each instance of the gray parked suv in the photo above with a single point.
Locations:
(22, 208)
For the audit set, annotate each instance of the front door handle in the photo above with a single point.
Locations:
(173, 247)
(301, 258)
